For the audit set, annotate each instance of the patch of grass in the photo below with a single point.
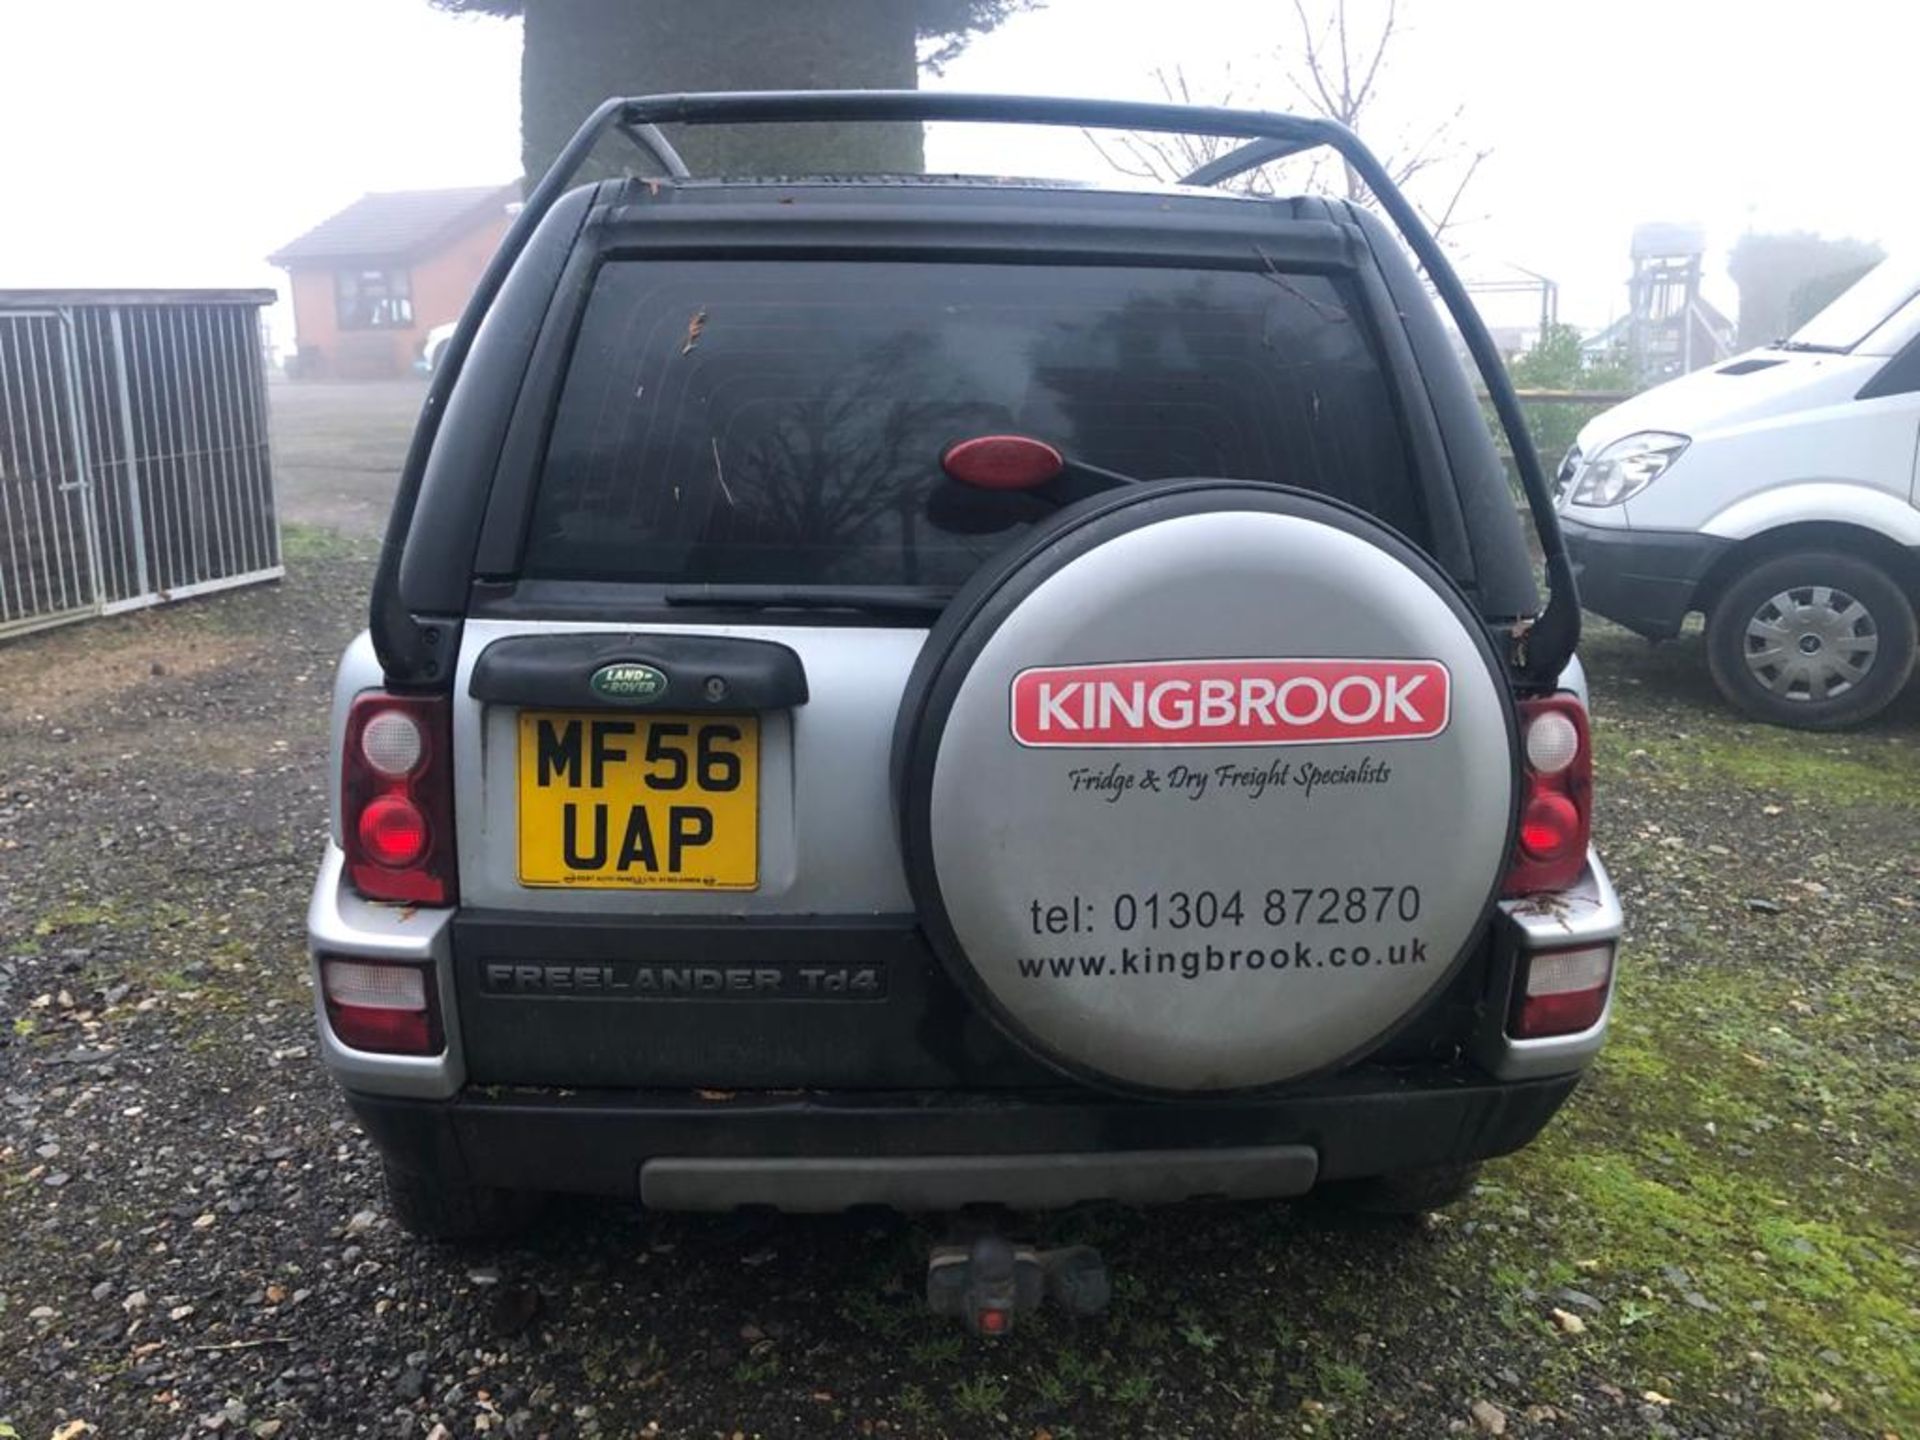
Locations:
(1052, 1390)
(1196, 1334)
(1080, 1371)
(913, 1401)
(74, 915)
(981, 1397)
(757, 1369)
(1824, 770)
(1340, 1380)
(867, 1310)
(302, 543)
(939, 1350)
(1135, 1389)
(1717, 1185)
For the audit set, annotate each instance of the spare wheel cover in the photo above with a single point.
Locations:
(1207, 787)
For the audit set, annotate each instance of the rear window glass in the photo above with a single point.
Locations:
(741, 422)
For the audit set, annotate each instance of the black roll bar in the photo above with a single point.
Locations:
(1539, 654)
(1241, 159)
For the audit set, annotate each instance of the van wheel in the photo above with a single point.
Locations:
(1403, 1194)
(1819, 641)
(436, 1209)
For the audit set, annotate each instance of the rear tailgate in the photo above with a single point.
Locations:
(637, 974)
(777, 423)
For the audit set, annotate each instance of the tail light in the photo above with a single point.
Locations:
(387, 1008)
(1556, 804)
(1561, 992)
(396, 798)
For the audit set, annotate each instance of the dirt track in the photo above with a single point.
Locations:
(336, 448)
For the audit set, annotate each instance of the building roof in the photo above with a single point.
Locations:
(397, 224)
(166, 295)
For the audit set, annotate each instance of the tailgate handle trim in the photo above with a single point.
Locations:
(702, 672)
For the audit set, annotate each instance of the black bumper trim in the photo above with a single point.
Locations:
(1646, 580)
(948, 1182)
(1368, 1123)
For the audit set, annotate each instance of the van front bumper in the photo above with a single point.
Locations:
(1646, 580)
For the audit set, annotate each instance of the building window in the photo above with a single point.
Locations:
(372, 299)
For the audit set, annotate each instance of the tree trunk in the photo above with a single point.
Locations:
(579, 52)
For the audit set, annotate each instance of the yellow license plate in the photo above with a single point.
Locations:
(622, 801)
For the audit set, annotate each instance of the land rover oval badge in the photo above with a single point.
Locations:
(629, 680)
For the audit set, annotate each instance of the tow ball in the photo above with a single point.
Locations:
(985, 1281)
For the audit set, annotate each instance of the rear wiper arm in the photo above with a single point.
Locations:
(870, 599)
(1809, 346)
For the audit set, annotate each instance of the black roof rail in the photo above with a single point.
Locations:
(1539, 654)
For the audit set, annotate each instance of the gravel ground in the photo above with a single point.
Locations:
(1717, 1238)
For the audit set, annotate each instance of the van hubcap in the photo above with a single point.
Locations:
(1811, 643)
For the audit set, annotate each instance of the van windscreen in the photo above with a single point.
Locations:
(754, 422)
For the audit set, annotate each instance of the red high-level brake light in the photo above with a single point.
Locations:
(1002, 462)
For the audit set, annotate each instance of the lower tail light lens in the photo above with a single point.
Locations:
(393, 830)
(1550, 827)
(1563, 992)
(384, 1008)
(1556, 806)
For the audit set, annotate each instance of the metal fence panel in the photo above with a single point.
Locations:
(134, 458)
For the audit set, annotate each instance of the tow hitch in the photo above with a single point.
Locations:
(985, 1280)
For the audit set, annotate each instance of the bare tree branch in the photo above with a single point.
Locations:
(1439, 224)
(1337, 72)
(1379, 54)
(1316, 72)
(1135, 169)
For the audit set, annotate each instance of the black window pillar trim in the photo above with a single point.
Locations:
(1539, 651)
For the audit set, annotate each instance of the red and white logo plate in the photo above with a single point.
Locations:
(1230, 702)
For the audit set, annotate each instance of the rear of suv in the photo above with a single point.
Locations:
(927, 692)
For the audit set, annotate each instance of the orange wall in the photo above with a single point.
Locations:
(440, 285)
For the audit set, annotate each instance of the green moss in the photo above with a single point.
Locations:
(1775, 764)
(302, 544)
(1750, 1232)
(74, 915)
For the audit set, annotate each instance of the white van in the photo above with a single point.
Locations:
(1774, 494)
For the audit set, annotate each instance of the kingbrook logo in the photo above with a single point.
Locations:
(1230, 702)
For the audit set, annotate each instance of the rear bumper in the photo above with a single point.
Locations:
(938, 1151)
(1646, 580)
(1036, 1145)
(341, 924)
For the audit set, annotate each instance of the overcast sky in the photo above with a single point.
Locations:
(178, 143)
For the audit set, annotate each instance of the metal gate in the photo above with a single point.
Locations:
(134, 461)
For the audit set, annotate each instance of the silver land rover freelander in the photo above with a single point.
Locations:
(929, 691)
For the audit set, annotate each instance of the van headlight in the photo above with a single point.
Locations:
(1626, 467)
